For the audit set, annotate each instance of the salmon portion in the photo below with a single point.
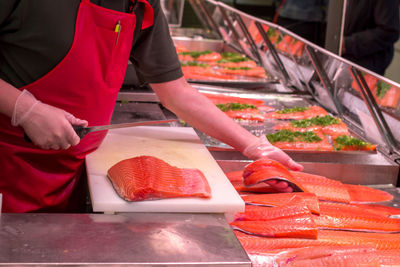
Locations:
(324, 188)
(147, 177)
(348, 217)
(326, 124)
(365, 194)
(295, 140)
(379, 209)
(223, 99)
(261, 213)
(297, 113)
(258, 72)
(296, 226)
(276, 200)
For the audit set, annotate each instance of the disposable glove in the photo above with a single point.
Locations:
(47, 126)
(262, 148)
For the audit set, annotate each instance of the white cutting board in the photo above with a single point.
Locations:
(178, 146)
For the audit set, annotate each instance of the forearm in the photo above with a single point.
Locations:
(191, 106)
(9, 95)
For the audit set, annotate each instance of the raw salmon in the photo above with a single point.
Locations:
(223, 99)
(365, 194)
(243, 64)
(326, 124)
(261, 213)
(204, 73)
(258, 72)
(324, 188)
(301, 226)
(274, 200)
(297, 113)
(379, 209)
(381, 241)
(348, 217)
(147, 177)
(213, 56)
(258, 188)
(259, 244)
(348, 143)
(248, 114)
(295, 140)
(302, 255)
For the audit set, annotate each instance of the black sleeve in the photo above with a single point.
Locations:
(383, 35)
(6, 8)
(153, 54)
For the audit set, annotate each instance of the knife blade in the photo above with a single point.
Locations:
(82, 131)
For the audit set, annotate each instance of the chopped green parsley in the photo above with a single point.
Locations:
(234, 106)
(291, 136)
(344, 140)
(320, 121)
(232, 57)
(195, 54)
(239, 68)
(292, 110)
(382, 88)
(194, 64)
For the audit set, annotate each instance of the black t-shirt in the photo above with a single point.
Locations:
(36, 35)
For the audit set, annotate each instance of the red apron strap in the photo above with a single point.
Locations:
(148, 18)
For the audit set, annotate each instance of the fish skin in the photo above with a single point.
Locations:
(364, 194)
(260, 213)
(324, 188)
(301, 226)
(147, 177)
(309, 199)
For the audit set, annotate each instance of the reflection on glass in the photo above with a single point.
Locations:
(385, 95)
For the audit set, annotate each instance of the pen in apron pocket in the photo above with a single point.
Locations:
(117, 30)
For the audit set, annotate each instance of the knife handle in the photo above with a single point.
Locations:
(80, 131)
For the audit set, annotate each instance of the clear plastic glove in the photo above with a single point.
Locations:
(262, 148)
(47, 126)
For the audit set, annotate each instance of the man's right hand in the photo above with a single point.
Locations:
(48, 127)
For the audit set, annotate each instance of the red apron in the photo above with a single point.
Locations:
(85, 83)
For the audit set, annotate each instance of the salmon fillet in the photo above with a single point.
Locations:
(147, 177)
(297, 113)
(365, 194)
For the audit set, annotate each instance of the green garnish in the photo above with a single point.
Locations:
(292, 110)
(239, 68)
(382, 88)
(345, 140)
(320, 121)
(195, 54)
(194, 64)
(232, 57)
(271, 32)
(291, 136)
(234, 106)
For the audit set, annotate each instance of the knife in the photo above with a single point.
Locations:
(82, 131)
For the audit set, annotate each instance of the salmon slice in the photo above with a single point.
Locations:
(203, 73)
(259, 244)
(261, 213)
(223, 99)
(147, 177)
(259, 188)
(348, 143)
(265, 169)
(258, 72)
(326, 124)
(348, 217)
(296, 226)
(246, 114)
(390, 98)
(243, 64)
(365, 194)
(354, 259)
(379, 209)
(380, 241)
(297, 113)
(324, 188)
(295, 140)
(180, 48)
(275, 200)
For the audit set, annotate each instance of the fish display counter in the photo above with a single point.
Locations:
(338, 119)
